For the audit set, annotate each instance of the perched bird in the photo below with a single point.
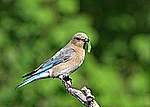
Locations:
(63, 63)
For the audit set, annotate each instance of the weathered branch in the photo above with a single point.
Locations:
(84, 95)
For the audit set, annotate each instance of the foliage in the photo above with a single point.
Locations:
(117, 70)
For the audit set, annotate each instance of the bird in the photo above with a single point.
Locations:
(63, 63)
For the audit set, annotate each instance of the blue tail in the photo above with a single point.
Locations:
(33, 78)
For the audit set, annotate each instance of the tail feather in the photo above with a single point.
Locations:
(42, 68)
(33, 78)
(38, 70)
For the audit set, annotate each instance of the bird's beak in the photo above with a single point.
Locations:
(86, 40)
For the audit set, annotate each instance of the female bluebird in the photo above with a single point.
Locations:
(63, 63)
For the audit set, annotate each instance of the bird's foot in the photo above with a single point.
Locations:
(66, 80)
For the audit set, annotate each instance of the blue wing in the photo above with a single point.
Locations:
(43, 67)
(43, 70)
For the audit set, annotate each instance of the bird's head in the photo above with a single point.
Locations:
(81, 40)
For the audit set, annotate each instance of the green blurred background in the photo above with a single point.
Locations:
(117, 70)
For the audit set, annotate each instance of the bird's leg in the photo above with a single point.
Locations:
(61, 77)
(66, 80)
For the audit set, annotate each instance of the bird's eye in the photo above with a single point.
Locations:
(78, 38)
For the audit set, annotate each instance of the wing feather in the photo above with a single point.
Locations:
(61, 56)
